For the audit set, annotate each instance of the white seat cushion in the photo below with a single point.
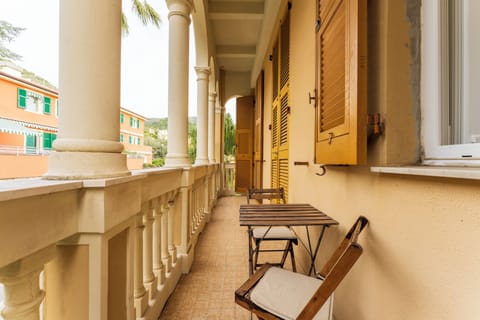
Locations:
(285, 294)
(273, 233)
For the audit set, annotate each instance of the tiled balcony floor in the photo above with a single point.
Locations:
(220, 267)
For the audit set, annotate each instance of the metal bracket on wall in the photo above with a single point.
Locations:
(312, 98)
(324, 170)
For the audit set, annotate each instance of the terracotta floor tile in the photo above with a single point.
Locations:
(219, 268)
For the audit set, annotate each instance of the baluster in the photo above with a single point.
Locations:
(21, 283)
(139, 292)
(158, 240)
(172, 249)
(148, 275)
(166, 258)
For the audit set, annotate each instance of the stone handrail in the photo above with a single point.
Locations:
(109, 248)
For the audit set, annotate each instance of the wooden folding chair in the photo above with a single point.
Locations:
(274, 293)
(259, 234)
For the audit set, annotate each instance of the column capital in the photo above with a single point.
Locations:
(205, 71)
(212, 95)
(180, 7)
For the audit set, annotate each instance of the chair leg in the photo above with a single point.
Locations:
(255, 256)
(285, 252)
(292, 256)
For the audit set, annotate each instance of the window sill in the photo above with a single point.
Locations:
(432, 171)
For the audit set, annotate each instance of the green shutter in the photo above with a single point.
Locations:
(46, 104)
(30, 143)
(22, 98)
(121, 137)
(131, 122)
(121, 118)
(47, 140)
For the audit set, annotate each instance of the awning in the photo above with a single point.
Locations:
(10, 126)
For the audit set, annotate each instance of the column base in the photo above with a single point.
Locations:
(151, 288)
(177, 161)
(86, 165)
(141, 304)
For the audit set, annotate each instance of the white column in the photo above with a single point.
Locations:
(211, 126)
(21, 282)
(202, 115)
(148, 275)
(139, 292)
(178, 41)
(158, 267)
(89, 83)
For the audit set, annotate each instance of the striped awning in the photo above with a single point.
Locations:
(10, 126)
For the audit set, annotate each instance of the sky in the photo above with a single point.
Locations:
(144, 82)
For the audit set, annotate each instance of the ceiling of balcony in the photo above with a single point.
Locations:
(236, 26)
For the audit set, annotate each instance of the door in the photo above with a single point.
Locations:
(258, 135)
(244, 144)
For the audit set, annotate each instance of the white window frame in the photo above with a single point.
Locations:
(434, 152)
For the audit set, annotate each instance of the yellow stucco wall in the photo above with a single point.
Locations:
(421, 256)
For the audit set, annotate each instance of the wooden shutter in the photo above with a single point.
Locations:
(47, 140)
(258, 134)
(22, 98)
(46, 104)
(244, 144)
(341, 117)
(281, 110)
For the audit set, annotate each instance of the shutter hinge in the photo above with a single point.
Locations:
(375, 125)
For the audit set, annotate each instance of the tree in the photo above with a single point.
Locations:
(8, 32)
(192, 141)
(145, 12)
(229, 135)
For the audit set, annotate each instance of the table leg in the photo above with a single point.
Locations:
(250, 251)
(313, 255)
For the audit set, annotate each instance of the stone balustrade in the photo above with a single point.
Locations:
(108, 248)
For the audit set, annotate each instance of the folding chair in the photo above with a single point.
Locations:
(274, 293)
(259, 234)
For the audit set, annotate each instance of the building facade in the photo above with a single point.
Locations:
(29, 125)
(132, 126)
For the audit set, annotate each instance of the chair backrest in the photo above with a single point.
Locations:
(269, 194)
(336, 268)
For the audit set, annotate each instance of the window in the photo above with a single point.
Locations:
(341, 51)
(121, 118)
(121, 137)
(46, 105)
(451, 73)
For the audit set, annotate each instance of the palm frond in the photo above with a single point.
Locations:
(154, 16)
(125, 27)
(146, 13)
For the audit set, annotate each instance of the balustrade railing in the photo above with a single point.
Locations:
(110, 249)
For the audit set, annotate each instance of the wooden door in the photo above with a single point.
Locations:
(244, 144)
(258, 135)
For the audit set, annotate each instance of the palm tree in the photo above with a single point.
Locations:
(145, 12)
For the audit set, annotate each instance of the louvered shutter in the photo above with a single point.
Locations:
(281, 108)
(341, 82)
(258, 134)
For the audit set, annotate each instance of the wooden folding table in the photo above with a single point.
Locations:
(292, 214)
